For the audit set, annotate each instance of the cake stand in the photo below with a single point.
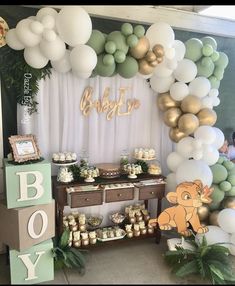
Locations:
(64, 175)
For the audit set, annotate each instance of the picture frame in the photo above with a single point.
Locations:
(24, 148)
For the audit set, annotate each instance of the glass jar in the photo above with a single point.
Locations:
(124, 158)
(154, 167)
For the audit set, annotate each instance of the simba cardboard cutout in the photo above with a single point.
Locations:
(189, 196)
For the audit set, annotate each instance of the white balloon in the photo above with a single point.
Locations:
(215, 235)
(179, 49)
(207, 102)
(173, 160)
(83, 59)
(186, 71)
(216, 101)
(200, 86)
(34, 18)
(46, 11)
(53, 50)
(171, 64)
(171, 182)
(36, 27)
(74, 25)
(210, 154)
(25, 35)
(219, 139)
(160, 33)
(145, 76)
(190, 170)
(83, 75)
(35, 58)
(197, 154)
(206, 134)
(185, 147)
(13, 41)
(179, 90)
(161, 70)
(213, 92)
(226, 220)
(49, 35)
(48, 22)
(63, 65)
(232, 245)
(161, 84)
(197, 143)
(170, 53)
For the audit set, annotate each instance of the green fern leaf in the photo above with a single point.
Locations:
(187, 268)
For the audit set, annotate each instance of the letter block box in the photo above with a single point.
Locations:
(21, 228)
(33, 265)
(27, 184)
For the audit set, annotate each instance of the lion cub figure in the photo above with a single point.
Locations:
(189, 196)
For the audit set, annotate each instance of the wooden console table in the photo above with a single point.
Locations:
(95, 197)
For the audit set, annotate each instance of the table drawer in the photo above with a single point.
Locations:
(151, 192)
(116, 195)
(83, 199)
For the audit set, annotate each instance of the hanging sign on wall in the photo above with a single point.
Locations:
(119, 107)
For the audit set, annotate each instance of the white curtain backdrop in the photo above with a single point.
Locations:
(59, 124)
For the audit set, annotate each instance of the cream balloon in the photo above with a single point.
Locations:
(185, 147)
(46, 11)
(179, 50)
(161, 70)
(200, 86)
(173, 160)
(215, 235)
(49, 35)
(219, 139)
(63, 65)
(179, 90)
(35, 58)
(171, 182)
(186, 71)
(13, 41)
(48, 22)
(226, 220)
(207, 102)
(36, 27)
(82, 75)
(209, 154)
(161, 84)
(206, 134)
(74, 25)
(53, 50)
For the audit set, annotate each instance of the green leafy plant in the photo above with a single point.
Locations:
(67, 256)
(209, 261)
(143, 165)
(75, 169)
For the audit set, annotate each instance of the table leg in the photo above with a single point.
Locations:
(158, 231)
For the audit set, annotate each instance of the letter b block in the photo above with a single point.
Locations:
(34, 265)
(27, 184)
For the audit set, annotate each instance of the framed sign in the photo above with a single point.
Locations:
(24, 148)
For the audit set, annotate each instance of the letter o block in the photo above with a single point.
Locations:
(27, 184)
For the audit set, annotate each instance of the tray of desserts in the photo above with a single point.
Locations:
(64, 158)
(110, 233)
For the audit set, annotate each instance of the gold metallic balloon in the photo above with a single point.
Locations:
(141, 49)
(150, 56)
(153, 63)
(144, 67)
(171, 116)
(203, 212)
(165, 101)
(188, 123)
(191, 104)
(207, 116)
(159, 59)
(158, 50)
(213, 218)
(228, 202)
(175, 134)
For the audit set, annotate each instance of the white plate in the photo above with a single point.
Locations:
(65, 164)
(112, 238)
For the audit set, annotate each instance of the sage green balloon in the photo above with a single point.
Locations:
(209, 40)
(220, 160)
(126, 29)
(97, 41)
(193, 49)
(128, 68)
(225, 186)
(102, 69)
(222, 60)
(205, 70)
(207, 61)
(231, 179)
(228, 165)
(207, 50)
(110, 47)
(108, 59)
(214, 206)
(230, 193)
(219, 172)
(215, 83)
(139, 31)
(132, 41)
(217, 195)
(232, 171)
(119, 56)
(119, 39)
(218, 72)
(215, 56)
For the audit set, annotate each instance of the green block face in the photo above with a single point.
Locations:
(33, 265)
(27, 184)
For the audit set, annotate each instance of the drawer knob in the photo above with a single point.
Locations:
(152, 193)
(119, 195)
(86, 199)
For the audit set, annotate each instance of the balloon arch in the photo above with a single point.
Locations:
(185, 76)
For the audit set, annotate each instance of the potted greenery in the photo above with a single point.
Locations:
(211, 262)
(67, 256)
